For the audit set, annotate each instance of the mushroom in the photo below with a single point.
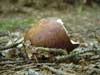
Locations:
(51, 33)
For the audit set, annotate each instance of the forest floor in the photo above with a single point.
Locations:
(82, 25)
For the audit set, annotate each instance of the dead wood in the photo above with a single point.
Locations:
(15, 44)
(52, 50)
(57, 72)
(75, 56)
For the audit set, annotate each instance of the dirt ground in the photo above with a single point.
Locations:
(83, 25)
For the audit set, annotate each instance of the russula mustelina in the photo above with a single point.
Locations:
(51, 33)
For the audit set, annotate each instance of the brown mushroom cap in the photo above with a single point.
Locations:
(50, 32)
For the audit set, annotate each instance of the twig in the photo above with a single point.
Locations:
(52, 50)
(12, 45)
(57, 72)
(70, 57)
(83, 68)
